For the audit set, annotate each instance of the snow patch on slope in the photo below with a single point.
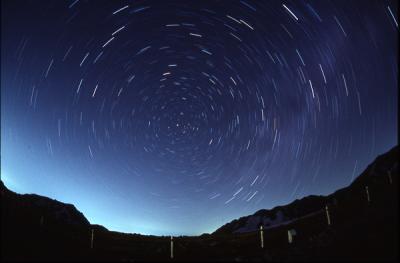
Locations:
(253, 223)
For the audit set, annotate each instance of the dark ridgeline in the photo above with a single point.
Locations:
(363, 216)
(354, 193)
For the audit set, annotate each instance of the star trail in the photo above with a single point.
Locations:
(175, 117)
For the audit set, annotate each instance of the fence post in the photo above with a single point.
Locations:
(291, 234)
(41, 221)
(328, 218)
(172, 247)
(368, 198)
(91, 239)
(390, 177)
(262, 236)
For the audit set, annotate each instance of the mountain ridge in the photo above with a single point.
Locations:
(298, 208)
(40, 228)
(311, 203)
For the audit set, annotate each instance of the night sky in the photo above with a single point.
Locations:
(175, 117)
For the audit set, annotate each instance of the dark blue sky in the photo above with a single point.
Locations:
(175, 117)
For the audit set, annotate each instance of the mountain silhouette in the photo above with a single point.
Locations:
(373, 175)
(363, 225)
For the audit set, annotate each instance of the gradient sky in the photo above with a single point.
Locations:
(175, 117)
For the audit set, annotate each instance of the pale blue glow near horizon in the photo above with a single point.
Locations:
(107, 210)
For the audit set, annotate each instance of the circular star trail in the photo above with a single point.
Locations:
(173, 117)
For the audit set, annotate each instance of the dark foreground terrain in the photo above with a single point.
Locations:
(38, 228)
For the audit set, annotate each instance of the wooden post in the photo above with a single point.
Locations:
(390, 177)
(262, 236)
(172, 247)
(91, 239)
(328, 218)
(368, 198)
(291, 234)
(41, 221)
